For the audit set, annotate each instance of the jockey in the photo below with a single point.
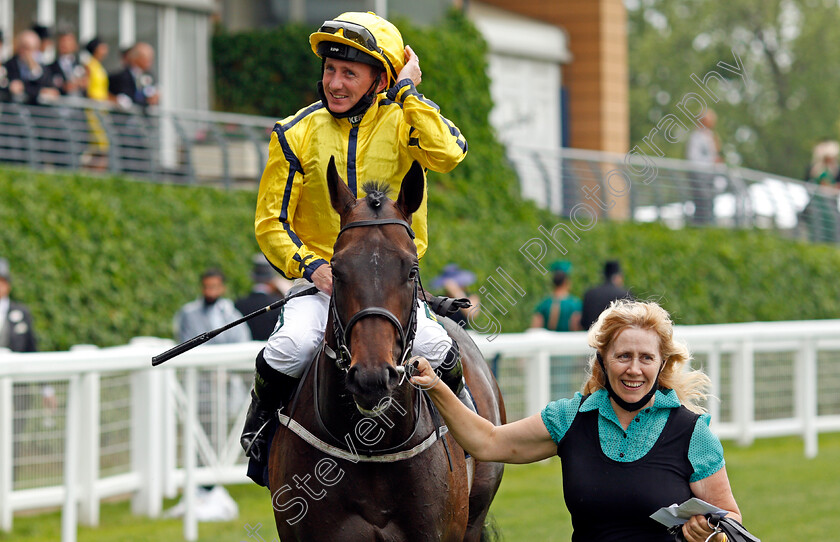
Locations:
(374, 122)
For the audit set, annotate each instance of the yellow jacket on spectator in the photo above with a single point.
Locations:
(296, 226)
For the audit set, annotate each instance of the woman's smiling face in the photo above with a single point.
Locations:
(633, 362)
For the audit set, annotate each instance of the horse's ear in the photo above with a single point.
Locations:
(411, 190)
(340, 195)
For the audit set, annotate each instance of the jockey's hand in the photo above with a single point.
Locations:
(697, 529)
(322, 279)
(411, 70)
(422, 374)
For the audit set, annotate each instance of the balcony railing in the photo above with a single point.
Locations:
(204, 147)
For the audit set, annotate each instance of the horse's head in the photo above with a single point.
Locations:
(374, 268)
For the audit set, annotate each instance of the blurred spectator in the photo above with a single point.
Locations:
(67, 73)
(703, 148)
(134, 84)
(210, 311)
(4, 80)
(28, 80)
(820, 216)
(454, 281)
(97, 77)
(16, 331)
(597, 299)
(265, 291)
(45, 43)
(560, 311)
(96, 157)
(825, 168)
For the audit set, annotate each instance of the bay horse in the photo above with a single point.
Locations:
(360, 453)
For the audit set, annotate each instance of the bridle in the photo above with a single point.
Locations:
(341, 332)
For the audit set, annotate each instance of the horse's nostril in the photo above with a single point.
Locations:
(393, 377)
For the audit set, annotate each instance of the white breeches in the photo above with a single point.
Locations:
(300, 329)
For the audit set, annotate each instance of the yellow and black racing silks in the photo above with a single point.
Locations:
(296, 226)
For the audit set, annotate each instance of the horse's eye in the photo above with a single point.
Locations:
(412, 275)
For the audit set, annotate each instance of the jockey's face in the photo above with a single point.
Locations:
(345, 82)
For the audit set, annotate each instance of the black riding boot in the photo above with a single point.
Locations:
(272, 389)
(451, 371)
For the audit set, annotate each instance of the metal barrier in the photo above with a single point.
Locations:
(81, 426)
(588, 186)
(194, 147)
(178, 146)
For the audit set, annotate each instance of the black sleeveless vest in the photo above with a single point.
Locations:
(613, 501)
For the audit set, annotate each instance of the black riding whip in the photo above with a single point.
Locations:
(189, 344)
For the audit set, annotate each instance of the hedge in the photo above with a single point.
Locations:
(102, 260)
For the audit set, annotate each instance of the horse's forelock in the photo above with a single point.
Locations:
(377, 192)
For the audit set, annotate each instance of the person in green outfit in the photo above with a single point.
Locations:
(560, 311)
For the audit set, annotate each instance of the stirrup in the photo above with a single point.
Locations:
(257, 435)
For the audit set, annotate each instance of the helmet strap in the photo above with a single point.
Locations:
(359, 109)
(629, 407)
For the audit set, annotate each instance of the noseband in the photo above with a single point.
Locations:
(341, 332)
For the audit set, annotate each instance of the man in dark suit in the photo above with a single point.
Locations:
(16, 332)
(134, 84)
(27, 79)
(264, 292)
(596, 299)
(67, 74)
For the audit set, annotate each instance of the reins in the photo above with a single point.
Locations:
(341, 332)
(341, 356)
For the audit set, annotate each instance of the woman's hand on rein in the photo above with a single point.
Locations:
(422, 374)
(697, 529)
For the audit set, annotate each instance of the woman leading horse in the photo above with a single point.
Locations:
(360, 454)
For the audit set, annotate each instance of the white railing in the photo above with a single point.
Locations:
(121, 423)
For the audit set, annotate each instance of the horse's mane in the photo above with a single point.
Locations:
(377, 192)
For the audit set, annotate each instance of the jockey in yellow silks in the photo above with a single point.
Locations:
(375, 123)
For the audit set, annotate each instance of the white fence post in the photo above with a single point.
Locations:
(7, 413)
(69, 511)
(808, 395)
(89, 452)
(713, 371)
(147, 390)
(538, 382)
(743, 388)
(190, 422)
(169, 446)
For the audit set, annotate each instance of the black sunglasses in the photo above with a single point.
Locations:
(353, 32)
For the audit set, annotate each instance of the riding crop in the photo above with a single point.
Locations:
(189, 344)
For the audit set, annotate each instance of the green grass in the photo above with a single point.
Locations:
(782, 496)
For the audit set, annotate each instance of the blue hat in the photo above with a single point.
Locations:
(462, 277)
(561, 265)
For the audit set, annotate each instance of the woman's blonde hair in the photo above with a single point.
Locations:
(691, 385)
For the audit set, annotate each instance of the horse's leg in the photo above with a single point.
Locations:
(490, 405)
(488, 476)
